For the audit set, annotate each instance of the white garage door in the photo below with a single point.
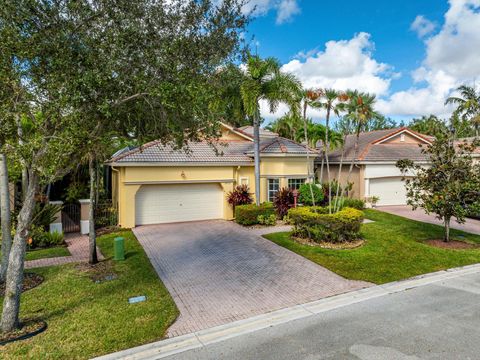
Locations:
(391, 191)
(156, 204)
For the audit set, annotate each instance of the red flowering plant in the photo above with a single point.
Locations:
(239, 196)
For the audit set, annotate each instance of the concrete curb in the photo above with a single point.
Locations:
(164, 348)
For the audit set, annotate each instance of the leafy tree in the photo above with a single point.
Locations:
(305, 194)
(265, 81)
(288, 126)
(85, 72)
(429, 125)
(468, 105)
(449, 186)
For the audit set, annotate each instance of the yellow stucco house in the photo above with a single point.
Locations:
(156, 183)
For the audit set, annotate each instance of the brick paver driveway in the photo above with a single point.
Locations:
(218, 272)
(471, 225)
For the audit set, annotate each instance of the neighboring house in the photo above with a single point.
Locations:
(374, 172)
(156, 183)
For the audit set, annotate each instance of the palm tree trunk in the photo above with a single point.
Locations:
(92, 236)
(327, 150)
(256, 154)
(14, 281)
(5, 217)
(355, 153)
(335, 206)
(309, 170)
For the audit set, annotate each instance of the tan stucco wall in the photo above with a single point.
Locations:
(357, 177)
(127, 181)
(408, 139)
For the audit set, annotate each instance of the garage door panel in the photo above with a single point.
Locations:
(391, 191)
(156, 204)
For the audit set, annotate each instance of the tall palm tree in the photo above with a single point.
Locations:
(360, 110)
(265, 81)
(331, 101)
(468, 105)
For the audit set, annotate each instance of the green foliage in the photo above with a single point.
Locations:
(305, 194)
(45, 214)
(283, 201)
(448, 187)
(76, 191)
(315, 224)
(429, 125)
(248, 214)
(343, 202)
(268, 220)
(468, 106)
(394, 249)
(44, 239)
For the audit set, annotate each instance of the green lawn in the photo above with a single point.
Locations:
(393, 250)
(47, 253)
(86, 319)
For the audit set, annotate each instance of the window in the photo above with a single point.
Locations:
(273, 187)
(295, 183)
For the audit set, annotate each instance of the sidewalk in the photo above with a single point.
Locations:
(78, 248)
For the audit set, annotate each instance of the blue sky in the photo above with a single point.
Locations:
(411, 53)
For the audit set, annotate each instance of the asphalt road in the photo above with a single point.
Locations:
(436, 321)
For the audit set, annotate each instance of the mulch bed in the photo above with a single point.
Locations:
(99, 272)
(326, 245)
(261, 226)
(452, 244)
(28, 329)
(30, 280)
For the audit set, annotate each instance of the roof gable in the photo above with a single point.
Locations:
(402, 136)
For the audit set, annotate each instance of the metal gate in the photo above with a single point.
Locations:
(71, 218)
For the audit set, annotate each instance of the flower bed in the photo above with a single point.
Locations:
(316, 224)
(249, 214)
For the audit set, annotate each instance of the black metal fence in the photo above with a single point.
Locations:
(106, 214)
(71, 218)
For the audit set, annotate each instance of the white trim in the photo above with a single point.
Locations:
(84, 227)
(400, 133)
(290, 176)
(56, 227)
(56, 202)
(84, 201)
(173, 182)
(240, 180)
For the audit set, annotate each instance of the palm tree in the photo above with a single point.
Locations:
(468, 105)
(360, 110)
(286, 126)
(265, 81)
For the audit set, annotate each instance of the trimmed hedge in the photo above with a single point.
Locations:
(248, 214)
(305, 196)
(349, 202)
(316, 224)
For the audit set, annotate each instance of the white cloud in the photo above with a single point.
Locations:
(422, 26)
(343, 64)
(285, 9)
(452, 58)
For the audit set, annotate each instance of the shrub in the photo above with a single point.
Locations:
(44, 239)
(248, 214)
(349, 202)
(305, 195)
(316, 224)
(283, 201)
(239, 196)
(45, 214)
(268, 220)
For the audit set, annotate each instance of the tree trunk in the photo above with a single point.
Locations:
(355, 153)
(256, 150)
(5, 217)
(92, 236)
(24, 168)
(14, 282)
(327, 150)
(309, 171)
(335, 206)
(447, 229)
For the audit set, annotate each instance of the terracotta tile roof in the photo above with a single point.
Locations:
(202, 152)
(369, 148)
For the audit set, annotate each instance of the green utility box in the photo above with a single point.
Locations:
(119, 248)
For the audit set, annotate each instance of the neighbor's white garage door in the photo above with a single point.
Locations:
(156, 204)
(391, 191)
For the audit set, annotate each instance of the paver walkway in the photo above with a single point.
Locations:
(471, 225)
(219, 272)
(78, 247)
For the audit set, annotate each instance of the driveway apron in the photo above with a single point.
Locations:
(218, 272)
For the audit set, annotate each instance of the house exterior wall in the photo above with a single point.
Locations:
(126, 181)
(356, 177)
